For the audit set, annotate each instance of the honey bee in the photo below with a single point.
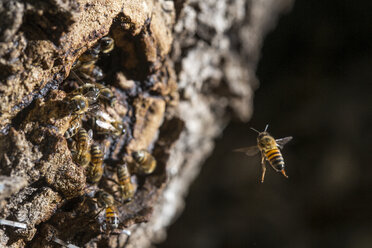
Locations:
(84, 140)
(107, 202)
(86, 62)
(80, 104)
(269, 148)
(95, 169)
(145, 163)
(126, 187)
(104, 124)
(87, 59)
(107, 96)
(104, 199)
(96, 90)
(91, 72)
(74, 127)
(112, 219)
(87, 88)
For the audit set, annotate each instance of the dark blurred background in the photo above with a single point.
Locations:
(315, 74)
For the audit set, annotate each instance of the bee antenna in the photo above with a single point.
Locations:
(254, 130)
(77, 77)
(267, 125)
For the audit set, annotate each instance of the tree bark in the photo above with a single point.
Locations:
(181, 70)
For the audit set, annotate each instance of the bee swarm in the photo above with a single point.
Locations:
(172, 93)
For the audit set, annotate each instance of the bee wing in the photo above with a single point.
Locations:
(126, 232)
(249, 151)
(90, 135)
(105, 125)
(93, 108)
(104, 150)
(79, 80)
(281, 142)
(104, 116)
(117, 203)
(92, 95)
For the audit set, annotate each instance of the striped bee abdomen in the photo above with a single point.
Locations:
(275, 158)
(83, 141)
(112, 219)
(95, 170)
(123, 175)
(126, 187)
(97, 155)
(145, 162)
(74, 127)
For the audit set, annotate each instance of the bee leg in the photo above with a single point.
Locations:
(85, 200)
(263, 172)
(263, 169)
(100, 211)
(112, 180)
(119, 203)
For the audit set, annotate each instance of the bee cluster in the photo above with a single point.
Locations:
(91, 124)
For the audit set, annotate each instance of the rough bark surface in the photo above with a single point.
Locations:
(180, 71)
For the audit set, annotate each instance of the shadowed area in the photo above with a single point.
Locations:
(315, 75)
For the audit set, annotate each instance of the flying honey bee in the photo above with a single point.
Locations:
(95, 169)
(74, 127)
(145, 163)
(104, 124)
(83, 141)
(269, 148)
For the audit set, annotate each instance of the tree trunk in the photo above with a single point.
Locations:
(180, 70)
